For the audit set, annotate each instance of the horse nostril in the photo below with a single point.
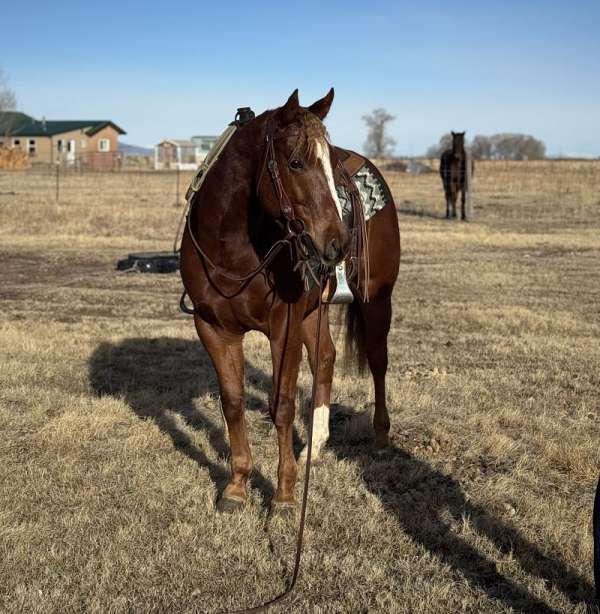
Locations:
(333, 251)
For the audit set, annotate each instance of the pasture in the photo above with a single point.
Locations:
(113, 447)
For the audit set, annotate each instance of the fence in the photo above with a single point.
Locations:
(541, 189)
(64, 184)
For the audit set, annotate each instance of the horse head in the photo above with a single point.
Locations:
(303, 163)
(458, 141)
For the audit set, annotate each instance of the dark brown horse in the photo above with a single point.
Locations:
(235, 219)
(453, 171)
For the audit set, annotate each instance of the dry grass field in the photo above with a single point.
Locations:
(113, 447)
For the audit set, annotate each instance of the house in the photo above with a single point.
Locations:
(204, 143)
(182, 154)
(86, 143)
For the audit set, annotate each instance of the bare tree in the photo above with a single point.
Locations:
(8, 102)
(497, 147)
(481, 147)
(435, 151)
(378, 143)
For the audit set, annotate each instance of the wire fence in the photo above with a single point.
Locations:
(499, 188)
(62, 184)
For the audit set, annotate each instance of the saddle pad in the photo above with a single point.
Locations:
(373, 192)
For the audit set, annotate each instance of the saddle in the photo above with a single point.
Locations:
(362, 192)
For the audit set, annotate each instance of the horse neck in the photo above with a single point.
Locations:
(458, 149)
(223, 216)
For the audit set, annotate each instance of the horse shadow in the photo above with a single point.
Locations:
(407, 208)
(426, 503)
(159, 378)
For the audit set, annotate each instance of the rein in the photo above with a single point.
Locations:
(300, 244)
(300, 536)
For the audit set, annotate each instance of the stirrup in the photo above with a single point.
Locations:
(337, 291)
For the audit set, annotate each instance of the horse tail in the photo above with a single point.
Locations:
(596, 523)
(355, 346)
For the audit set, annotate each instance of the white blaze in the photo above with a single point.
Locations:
(322, 149)
(320, 432)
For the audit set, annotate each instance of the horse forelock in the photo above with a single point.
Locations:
(312, 145)
(308, 130)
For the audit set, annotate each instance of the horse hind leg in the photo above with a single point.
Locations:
(454, 199)
(376, 319)
(228, 359)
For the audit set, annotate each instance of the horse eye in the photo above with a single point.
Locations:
(296, 164)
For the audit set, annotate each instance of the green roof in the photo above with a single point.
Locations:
(19, 124)
(11, 120)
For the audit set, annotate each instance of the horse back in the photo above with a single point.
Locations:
(382, 225)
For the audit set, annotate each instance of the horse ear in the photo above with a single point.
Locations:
(290, 109)
(321, 107)
(453, 133)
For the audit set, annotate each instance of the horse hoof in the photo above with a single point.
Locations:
(382, 443)
(283, 509)
(228, 505)
(315, 460)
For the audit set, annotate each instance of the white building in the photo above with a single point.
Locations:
(182, 154)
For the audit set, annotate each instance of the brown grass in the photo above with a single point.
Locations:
(113, 447)
(13, 159)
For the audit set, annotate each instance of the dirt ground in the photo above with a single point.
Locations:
(113, 448)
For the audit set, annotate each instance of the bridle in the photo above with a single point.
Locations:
(299, 242)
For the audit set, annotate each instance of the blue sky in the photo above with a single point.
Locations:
(176, 69)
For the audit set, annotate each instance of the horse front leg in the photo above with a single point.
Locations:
(286, 353)
(227, 357)
(324, 377)
(453, 200)
(448, 202)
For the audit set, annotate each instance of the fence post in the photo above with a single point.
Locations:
(468, 200)
(57, 182)
(177, 190)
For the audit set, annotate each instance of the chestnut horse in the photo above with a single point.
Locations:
(278, 166)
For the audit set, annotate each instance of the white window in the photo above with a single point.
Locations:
(31, 147)
(104, 145)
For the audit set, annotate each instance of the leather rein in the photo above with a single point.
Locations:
(301, 248)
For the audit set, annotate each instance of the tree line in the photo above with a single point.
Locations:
(503, 146)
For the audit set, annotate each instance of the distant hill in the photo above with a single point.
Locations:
(135, 150)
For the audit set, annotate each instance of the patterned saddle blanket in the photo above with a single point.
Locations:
(374, 191)
(374, 195)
